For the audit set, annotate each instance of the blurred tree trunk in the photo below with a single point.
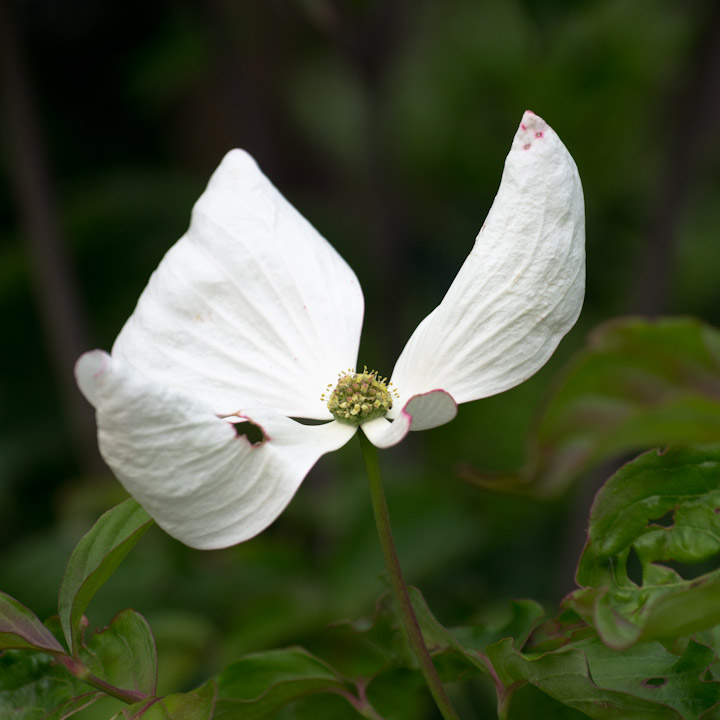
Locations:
(54, 286)
(368, 36)
(695, 109)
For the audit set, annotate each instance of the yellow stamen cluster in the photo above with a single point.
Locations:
(358, 397)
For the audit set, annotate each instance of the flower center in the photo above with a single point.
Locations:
(359, 397)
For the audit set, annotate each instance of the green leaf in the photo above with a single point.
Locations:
(530, 702)
(258, 685)
(195, 705)
(557, 633)
(400, 694)
(327, 706)
(470, 641)
(95, 558)
(21, 628)
(452, 660)
(646, 681)
(124, 654)
(524, 616)
(457, 652)
(73, 706)
(33, 685)
(383, 631)
(662, 509)
(651, 671)
(638, 384)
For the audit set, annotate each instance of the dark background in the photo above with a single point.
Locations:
(386, 123)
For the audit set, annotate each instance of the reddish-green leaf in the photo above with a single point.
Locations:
(21, 628)
(638, 384)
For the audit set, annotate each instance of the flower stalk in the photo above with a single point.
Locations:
(392, 563)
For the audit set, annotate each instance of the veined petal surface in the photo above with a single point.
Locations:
(420, 412)
(520, 289)
(251, 306)
(202, 483)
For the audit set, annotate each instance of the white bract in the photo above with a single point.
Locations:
(252, 313)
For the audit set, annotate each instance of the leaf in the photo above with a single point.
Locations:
(649, 670)
(327, 706)
(524, 617)
(558, 632)
(73, 706)
(124, 654)
(457, 653)
(195, 705)
(470, 641)
(466, 643)
(383, 632)
(638, 384)
(646, 681)
(21, 628)
(660, 508)
(260, 684)
(95, 558)
(451, 659)
(33, 685)
(530, 702)
(400, 694)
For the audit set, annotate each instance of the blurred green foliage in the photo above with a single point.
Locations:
(386, 122)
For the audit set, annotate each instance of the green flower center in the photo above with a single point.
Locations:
(359, 397)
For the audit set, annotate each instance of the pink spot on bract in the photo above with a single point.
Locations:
(527, 147)
(101, 370)
(523, 126)
(539, 133)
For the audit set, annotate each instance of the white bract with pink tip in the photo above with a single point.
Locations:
(252, 313)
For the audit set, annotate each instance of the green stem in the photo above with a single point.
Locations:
(410, 621)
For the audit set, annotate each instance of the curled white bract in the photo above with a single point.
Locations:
(252, 312)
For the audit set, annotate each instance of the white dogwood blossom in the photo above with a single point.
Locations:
(252, 316)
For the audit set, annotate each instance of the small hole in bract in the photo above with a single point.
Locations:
(667, 520)
(655, 682)
(249, 430)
